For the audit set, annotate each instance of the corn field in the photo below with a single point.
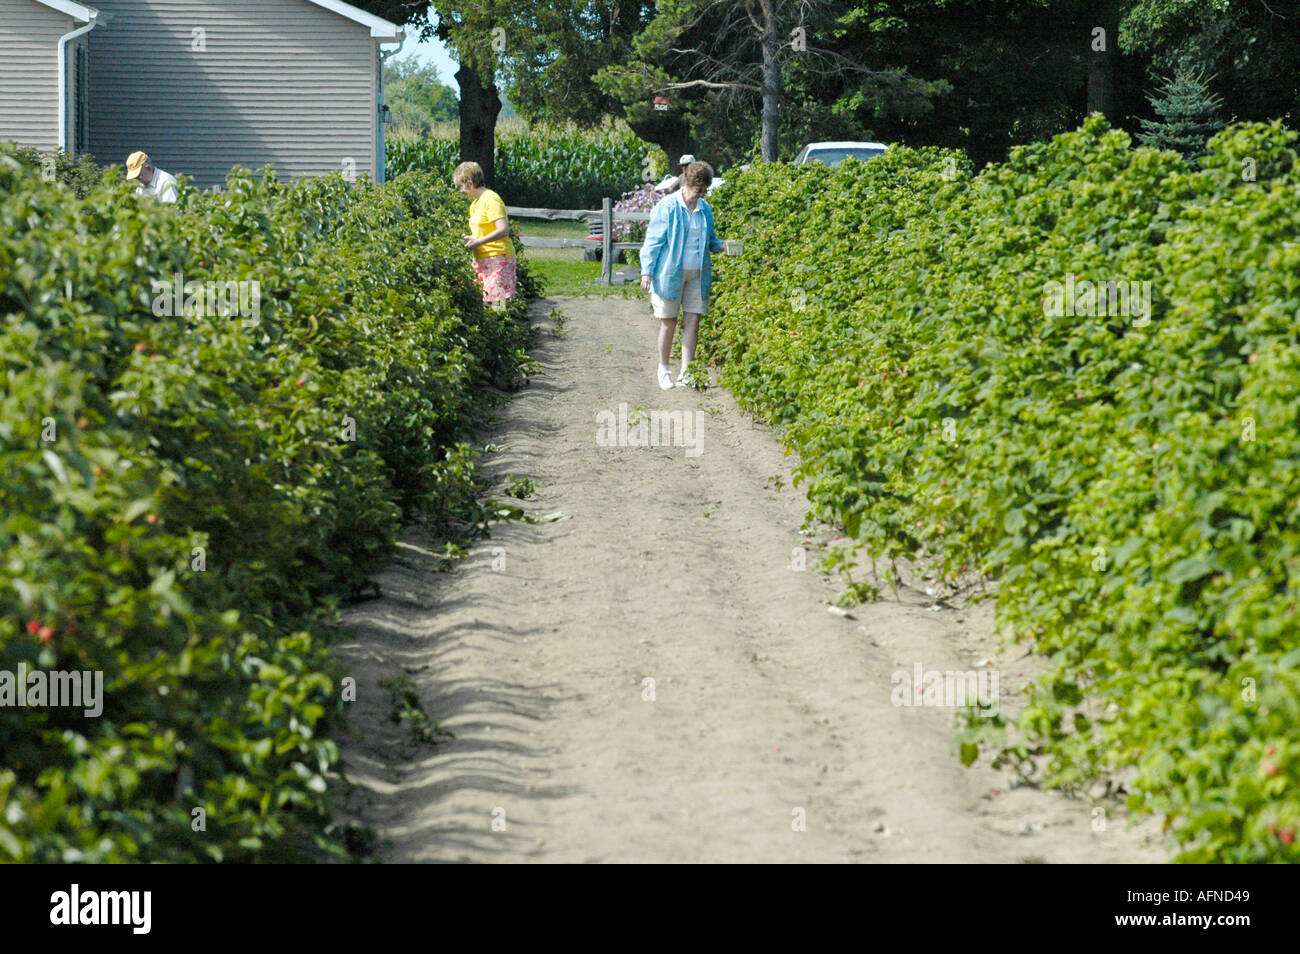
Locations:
(556, 167)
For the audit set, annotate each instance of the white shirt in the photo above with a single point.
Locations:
(162, 187)
(696, 237)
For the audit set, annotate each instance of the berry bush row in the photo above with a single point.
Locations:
(1129, 476)
(187, 496)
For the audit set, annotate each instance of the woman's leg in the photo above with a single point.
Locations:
(690, 335)
(667, 328)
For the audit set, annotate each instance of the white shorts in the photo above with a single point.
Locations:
(692, 300)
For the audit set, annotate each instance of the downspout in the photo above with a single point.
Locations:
(63, 79)
(381, 145)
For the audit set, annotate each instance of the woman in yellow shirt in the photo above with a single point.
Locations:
(489, 238)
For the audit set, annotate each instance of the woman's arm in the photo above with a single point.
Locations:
(656, 234)
(501, 230)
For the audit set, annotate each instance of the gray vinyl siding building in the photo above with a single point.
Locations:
(30, 61)
(205, 86)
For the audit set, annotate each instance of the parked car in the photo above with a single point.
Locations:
(833, 153)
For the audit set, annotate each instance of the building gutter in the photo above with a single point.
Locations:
(63, 79)
(381, 171)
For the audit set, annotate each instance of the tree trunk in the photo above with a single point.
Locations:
(771, 83)
(1101, 63)
(479, 107)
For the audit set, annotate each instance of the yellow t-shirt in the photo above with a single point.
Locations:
(483, 214)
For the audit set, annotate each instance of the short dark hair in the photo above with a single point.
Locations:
(698, 175)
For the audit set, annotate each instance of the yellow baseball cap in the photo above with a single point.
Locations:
(134, 163)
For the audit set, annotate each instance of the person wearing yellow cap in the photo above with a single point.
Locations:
(151, 180)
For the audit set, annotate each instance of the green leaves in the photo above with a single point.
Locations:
(545, 168)
(179, 513)
(1128, 479)
(1192, 568)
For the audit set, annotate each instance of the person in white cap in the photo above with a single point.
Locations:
(151, 180)
(676, 182)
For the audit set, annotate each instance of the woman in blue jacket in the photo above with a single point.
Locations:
(675, 266)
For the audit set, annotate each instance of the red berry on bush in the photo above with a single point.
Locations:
(139, 346)
(1269, 769)
(1270, 750)
(1286, 836)
(151, 518)
(83, 422)
(302, 380)
(33, 626)
(46, 633)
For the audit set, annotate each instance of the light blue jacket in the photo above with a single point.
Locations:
(664, 248)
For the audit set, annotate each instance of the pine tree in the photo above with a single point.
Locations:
(1189, 115)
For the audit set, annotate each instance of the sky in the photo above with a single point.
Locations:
(433, 52)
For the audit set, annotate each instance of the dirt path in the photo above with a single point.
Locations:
(675, 567)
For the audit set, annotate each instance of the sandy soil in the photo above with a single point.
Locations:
(767, 712)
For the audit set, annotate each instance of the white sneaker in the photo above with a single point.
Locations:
(665, 378)
(684, 380)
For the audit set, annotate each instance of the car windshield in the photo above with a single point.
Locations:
(833, 157)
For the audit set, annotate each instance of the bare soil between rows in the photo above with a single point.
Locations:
(645, 674)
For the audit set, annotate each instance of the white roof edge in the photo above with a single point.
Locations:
(77, 11)
(379, 28)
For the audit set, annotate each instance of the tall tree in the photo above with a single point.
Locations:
(1250, 47)
(1189, 115)
(738, 47)
(477, 32)
(416, 97)
(1103, 49)
(563, 45)
(996, 74)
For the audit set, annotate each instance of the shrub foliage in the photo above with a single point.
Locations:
(1132, 484)
(183, 507)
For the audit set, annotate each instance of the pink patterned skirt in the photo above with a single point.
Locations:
(496, 274)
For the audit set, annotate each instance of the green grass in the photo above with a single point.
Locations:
(576, 277)
(573, 230)
(562, 269)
